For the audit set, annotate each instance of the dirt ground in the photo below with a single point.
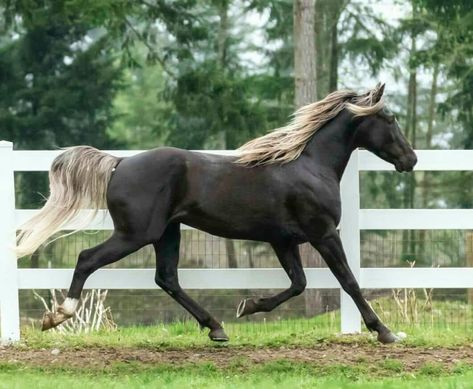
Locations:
(323, 354)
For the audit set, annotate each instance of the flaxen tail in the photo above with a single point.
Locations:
(78, 179)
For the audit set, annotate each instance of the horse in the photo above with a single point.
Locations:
(283, 188)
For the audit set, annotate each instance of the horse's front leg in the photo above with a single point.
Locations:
(331, 249)
(167, 259)
(288, 255)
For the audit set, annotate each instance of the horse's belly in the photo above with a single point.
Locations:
(247, 228)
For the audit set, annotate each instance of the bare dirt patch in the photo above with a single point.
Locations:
(321, 355)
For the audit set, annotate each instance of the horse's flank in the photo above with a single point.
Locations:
(286, 144)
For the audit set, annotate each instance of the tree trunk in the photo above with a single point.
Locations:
(306, 93)
(413, 127)
(428, 144)
(249, 253)
(469, 258)
(433, 95)
(222, 36)
(333, 81)
(321, 49)
(304, 52)
(231, 253)
(327, 15)
(408, 242)
(222, 33)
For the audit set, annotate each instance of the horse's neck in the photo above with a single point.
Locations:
(331, 146)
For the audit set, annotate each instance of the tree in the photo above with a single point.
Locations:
(304, 52)
(305, 92)
(214, 104)
(327, 16)
(54, 95)
(139, 109)
(56, 89)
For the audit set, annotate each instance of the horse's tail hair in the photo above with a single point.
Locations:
(78, 179)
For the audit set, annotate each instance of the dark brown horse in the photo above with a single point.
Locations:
(283, 189)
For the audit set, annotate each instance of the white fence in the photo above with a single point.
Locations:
(354, 219)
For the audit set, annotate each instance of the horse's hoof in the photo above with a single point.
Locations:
(48, 321)
(218, 335)
(246, 307)
(388, 337)
(51, 319)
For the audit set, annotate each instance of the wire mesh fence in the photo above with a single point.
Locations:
(391, 248)
(449, 308)
(401, 309)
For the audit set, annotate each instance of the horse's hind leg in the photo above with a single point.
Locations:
(112, 250)
(289, 257)
(167, 258)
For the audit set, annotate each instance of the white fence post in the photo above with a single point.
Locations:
(9, 302)
(350, 235)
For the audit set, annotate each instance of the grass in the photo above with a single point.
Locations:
(269, 375)
(297, 332)
(242, 372)
(187, 334)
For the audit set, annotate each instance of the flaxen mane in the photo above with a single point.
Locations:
(286, 144)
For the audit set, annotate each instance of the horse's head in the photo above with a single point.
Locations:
(380, 134)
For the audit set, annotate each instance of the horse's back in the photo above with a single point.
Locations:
(207, 191)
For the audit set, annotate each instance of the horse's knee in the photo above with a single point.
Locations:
(169, 286)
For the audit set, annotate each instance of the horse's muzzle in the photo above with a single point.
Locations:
(406, 163)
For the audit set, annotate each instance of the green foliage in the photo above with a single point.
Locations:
(453, 24)
(367, 37)
(211, 96)
(57, 83)
(140, 110)
(54, 95)
(230, 117)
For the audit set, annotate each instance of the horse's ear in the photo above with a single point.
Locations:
(378, 92)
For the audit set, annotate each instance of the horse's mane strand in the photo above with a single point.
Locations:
(286, 144)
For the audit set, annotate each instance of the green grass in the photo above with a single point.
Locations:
(242, 372)
(297, 332)
(270, 375)
(186, 334)
(439, 326)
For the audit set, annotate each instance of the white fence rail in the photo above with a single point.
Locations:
(354, 219)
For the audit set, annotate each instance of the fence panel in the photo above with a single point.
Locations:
(9, 303)
(350, 236)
